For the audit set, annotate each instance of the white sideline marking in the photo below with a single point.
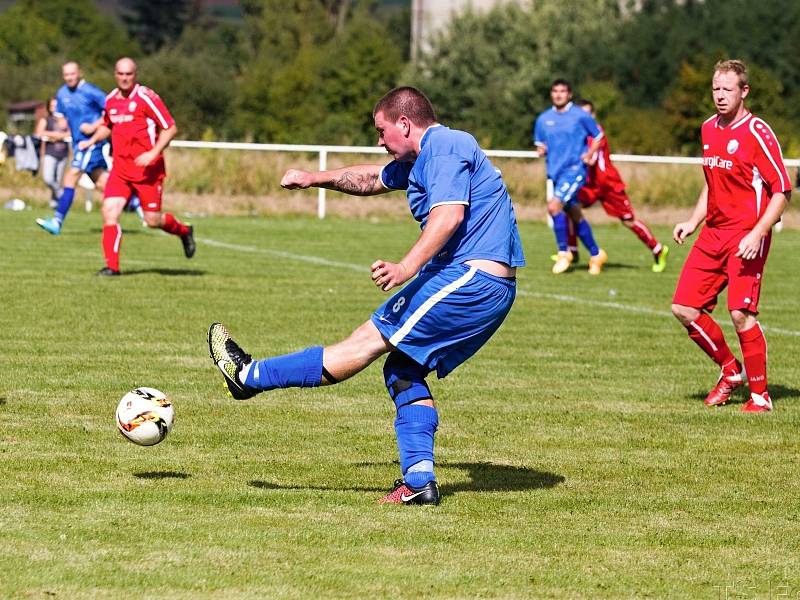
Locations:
(316, 260)
(637, 309)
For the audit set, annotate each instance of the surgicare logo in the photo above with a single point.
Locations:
(713, 162)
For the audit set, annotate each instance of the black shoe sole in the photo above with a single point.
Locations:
(237, 391)
(189, 247)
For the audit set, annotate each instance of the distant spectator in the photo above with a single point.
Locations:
(53, 130)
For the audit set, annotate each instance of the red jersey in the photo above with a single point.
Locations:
(743, 166)
(603, 174)
(134, 121)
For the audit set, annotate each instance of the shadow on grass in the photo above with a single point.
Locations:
(167, 272)
(583, 266)
(2, 401)
(161, 475)
(613, 266)
(776, 392)
(483, 477)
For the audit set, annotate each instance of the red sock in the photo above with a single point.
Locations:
(643, 233)
(171, 225)
(112, 238)
(572, 237)
(754, 352)
(705, 332)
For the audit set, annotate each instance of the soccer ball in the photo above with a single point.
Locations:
(145, 416)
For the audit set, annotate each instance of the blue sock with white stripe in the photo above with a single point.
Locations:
(587, 237)
(415, 426)
(561, 229)
(300, 369)
(64, 204)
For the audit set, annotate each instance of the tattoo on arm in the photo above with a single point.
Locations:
(357, 183)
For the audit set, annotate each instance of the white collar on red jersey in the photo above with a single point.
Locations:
(134, 91)
(735, 124)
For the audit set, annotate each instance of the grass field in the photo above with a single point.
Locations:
(575, 455)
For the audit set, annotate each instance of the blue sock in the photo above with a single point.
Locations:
(419, 474)
(301, 369)
(560, 229)
(415, 426)
(587, 237)
(64, 204)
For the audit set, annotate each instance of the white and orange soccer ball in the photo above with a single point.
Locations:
(145, 416)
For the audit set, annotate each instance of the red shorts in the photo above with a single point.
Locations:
(615, 202)
(712, 264)
(148, 191)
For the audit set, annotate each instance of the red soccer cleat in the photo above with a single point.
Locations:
(402, 493)
(758, 403)
(722, 391)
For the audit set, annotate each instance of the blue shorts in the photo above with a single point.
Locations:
(90, 159)
(445, 315)
(566, 186)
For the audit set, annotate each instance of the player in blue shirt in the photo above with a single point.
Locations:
(465, 262)
(560, 134)
(82, 104)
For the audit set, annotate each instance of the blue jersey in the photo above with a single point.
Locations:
(564, 133)
(84, 103)
(452, 169)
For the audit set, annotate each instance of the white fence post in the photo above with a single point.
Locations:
(323, 165)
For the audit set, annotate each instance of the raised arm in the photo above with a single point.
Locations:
(101, 133)
(358, 180)
(443, 222)
(90, 128)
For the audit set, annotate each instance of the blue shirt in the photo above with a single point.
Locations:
(452, 169)
(564, 134)
(84, 103)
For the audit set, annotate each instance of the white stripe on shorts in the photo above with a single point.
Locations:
(87, 157)
(429, 304)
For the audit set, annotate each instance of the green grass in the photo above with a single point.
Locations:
(575, 455)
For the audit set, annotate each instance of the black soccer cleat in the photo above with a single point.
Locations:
(230, 360)
(402, 493)
(107, 272)
(187, 240)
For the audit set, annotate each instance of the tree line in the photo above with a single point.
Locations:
(309, 71)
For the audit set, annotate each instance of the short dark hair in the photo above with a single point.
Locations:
(584, 102)
(560, 81)
(408, 101)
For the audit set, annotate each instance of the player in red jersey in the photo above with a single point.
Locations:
(604, 183)
(134, 113)
(747, 189)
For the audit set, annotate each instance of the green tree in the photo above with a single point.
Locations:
(312, 79)
(38, 36)
(155, 23)
(196, 78)
(490, 73)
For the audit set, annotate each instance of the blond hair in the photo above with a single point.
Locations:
(733, 66)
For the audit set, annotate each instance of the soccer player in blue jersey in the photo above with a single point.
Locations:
(465, 262)
(82, 104)
(560, 134)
